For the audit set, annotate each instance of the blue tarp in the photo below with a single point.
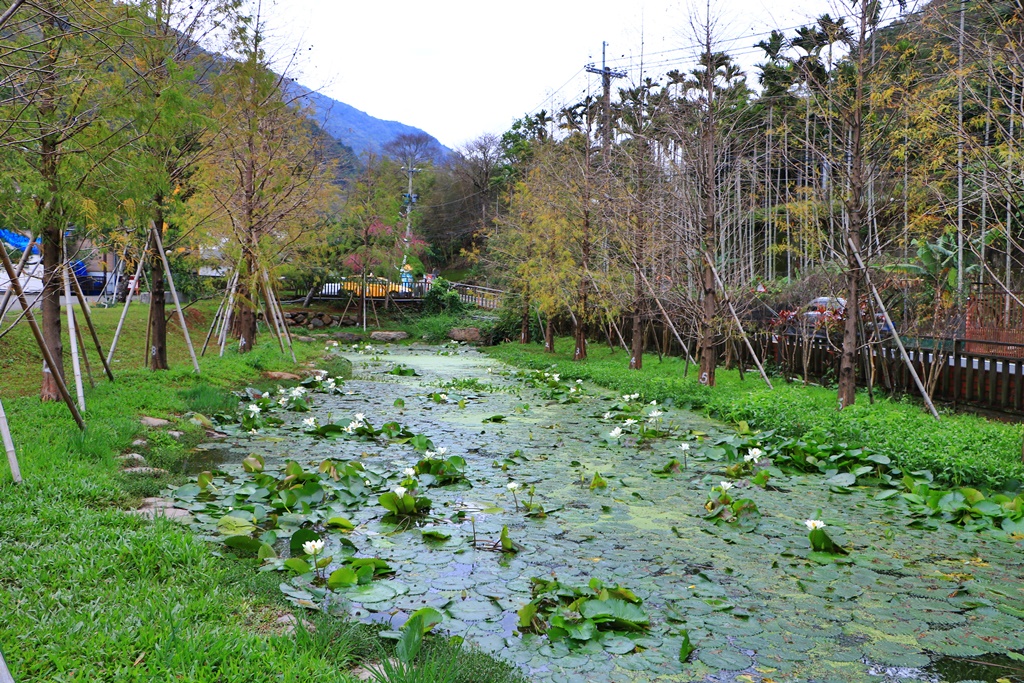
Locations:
(20, 242)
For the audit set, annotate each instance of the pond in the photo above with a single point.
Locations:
(758, 605)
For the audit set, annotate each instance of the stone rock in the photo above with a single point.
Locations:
(132, 460)
(161, 507)
(466, 334)
(383, 336)
(282, 376)
(288, 623)
(154, 422)
(347, 336)
(140, 443)
(145, 471)
(201, 421)
(175, 434)
(304, 339)
(316, 323)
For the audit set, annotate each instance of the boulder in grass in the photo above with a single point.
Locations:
(161, 507)
(466, 334)
(347, 336)
(284, 376)
(154, 422)
(384, 336)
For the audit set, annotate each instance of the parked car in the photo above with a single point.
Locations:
(817, 307)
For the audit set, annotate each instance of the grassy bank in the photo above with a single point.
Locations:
(90, 593)
(959, 449)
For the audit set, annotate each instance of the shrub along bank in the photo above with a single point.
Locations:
(959, 449)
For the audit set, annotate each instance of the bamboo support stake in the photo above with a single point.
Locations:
(73, 337)
(892, 328)
(12, 457)
(739, 325)
(270, 312)
(84, 353)
(132, 284)
(7, 295)
(84, 303)
(225, 328)
(213, 325)
(37, 333)
(276, 305)
(668, 320)
(5, 674)
(174, 293)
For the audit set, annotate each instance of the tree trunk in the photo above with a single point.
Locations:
(708, 355)
(524, 326)
(157, 316)
(847, 394)
(636, 359)
(248, 296)
(52, 259)
(549, 336)
(580, 339)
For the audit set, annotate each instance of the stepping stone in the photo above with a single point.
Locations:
(388, 336)
(282, 376)
(145, 471)
(288, 622)
(154, 422)
(161, 507)
(132, 460)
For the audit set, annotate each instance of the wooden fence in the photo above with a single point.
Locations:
(958, 374)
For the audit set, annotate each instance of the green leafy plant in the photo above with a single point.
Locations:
(577, 615)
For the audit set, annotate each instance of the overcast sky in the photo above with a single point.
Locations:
(461, 68)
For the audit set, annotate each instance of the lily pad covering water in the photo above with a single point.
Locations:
(753, 600)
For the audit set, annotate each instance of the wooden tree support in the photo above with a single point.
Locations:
(87, 314)
(892, 328)
(275, 306)
(10, 290)
(668, 320)
(12, 457)
(174, 292)
(37, 333)
(217, 317)
(73, 336)
(739, 325)
(132, 285)
(229, 315)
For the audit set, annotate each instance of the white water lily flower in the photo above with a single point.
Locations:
(813, 524)
(625, 397)
(615, 433)
(399, 491)
(555, 376)
(282, 401)
(348, 429)
(429, 455)
(725, 485)
(360, 417)
(756, 452)
(409, 472)
(749, 457)
(512, 486)
(654, 403)
(579, 381)
(366, 482)
(297, 392)
(606, 416)
(254, 409)
(634, 397)
(630, 422)
(313, 547)
(309, 422)
(656, 413)
(444, 397)
(441, 451)
(684, 446)
(572, 390)
(266, 394)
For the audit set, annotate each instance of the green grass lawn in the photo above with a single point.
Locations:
(959, 449)
(89, 593)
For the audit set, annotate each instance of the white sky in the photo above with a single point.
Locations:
(461, 68)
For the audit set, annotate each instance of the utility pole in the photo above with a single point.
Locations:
(409, 200)
(607, 74)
